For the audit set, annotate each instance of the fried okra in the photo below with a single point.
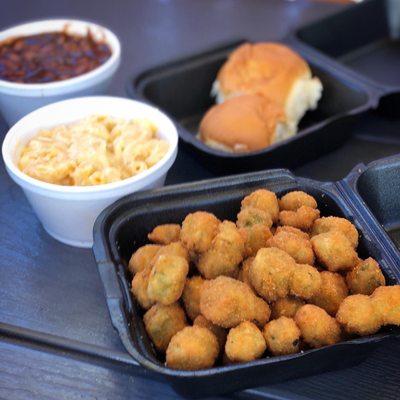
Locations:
(227, 302)
(244, 271)
(386, 300)
(282, 336)
(365, 277)
(292, 201)
(224, 254)
(292, 229)
(250, 216)
(286, 307)
(139, 286)
(297, 247)
(264, 200)
(317, 327)
(334, 251)
(198, 231)
(143, 258)
(220, 333)
(167, 279)
(327, 224)
(305, 281)
(332, 292)
(255, 237)
(174, 249)
(270, 273)
(358, 316)
(192, 348)
(245, 343)
(163, 322)
(191, 296)
(303, 218)
(165, 234)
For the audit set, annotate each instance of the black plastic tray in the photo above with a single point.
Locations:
(364, 37)
(122, 227)
(182, 90)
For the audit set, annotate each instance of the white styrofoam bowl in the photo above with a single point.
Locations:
(18, 99)
(68, 212)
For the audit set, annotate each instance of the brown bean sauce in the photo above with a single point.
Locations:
(50, 57)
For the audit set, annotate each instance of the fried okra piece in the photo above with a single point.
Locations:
(327, 224)
(143, 258)
(191, 296)
(358, 316)
(227, 302)
(225, 253)
(297, 247)
(250, 216)
(334, 251)
(263, 200)
(255, 237)
(365, 277)
(165, 234)
(270, 273)
(386, 300)
(292, 229)
(286, 307)
(282, 336)
(305, 281)
(139, 286)
(162, 323)
(220, 333)
(244, 271)
(303, 218)
(245, 343)
(167, 279)
(192, 348)
(174, 249)
(317, 327)
(198, 231)
(332, 292)
(292, 201)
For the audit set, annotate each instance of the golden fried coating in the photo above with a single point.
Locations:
(270, 273)
(165, 234)
(139, 286)
(292, 201)
(334, 251)
(191, 296)
(282, 336)
(297, 247)
(143, 258)
(303, 218)
(167, 279)
(358, 316)
(198, 231)
(220, 333)
(251, 216)
(286, 307)
(292, 229)
(227, 302)
(305, 281)
(192, 348)
(225, 253)
(255, 238)
(174, 249)
(317, 327)
(365, 277)
(332, 292)
(162, 322)
(245, 343)
(264, 200)
(327, 224)
(386, 300)
(244, 271)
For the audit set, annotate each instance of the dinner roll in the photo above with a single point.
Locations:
(244, 123)
(273, 70)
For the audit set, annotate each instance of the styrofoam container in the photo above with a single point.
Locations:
(68, 212)
(18, 99)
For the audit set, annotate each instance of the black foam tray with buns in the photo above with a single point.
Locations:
(182, 90)
(366, 197)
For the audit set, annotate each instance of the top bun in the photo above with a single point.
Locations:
(274, 71)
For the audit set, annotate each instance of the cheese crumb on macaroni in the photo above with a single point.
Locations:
(97, 150)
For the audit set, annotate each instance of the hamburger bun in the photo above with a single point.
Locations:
(244, 123)
(274, 71)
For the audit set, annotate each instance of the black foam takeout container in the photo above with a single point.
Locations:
(123, 227)
(182, 90)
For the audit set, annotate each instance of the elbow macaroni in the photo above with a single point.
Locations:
(94, 151)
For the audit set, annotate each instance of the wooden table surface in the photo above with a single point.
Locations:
(50, 289)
